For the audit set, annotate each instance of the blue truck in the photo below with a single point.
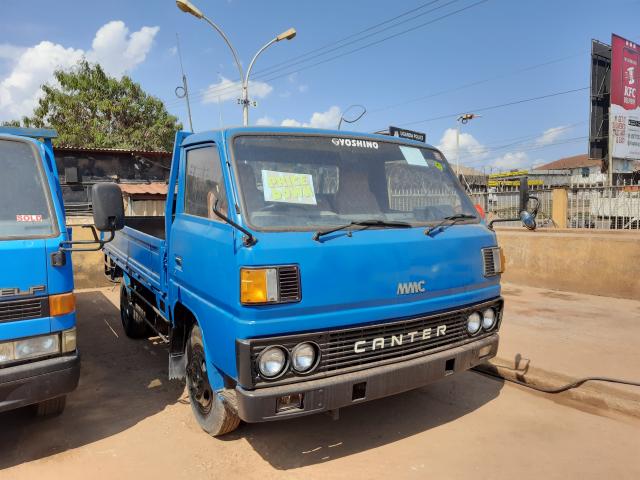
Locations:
(299, 271)
(39, 361)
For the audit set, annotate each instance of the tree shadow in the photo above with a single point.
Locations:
(122, 381)
(315, 439)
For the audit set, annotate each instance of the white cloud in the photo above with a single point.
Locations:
(303, 88)
(20, 90)
(470, 147)
(119, 52)
(328, 119)
(551, 135)
(112, 47)
(226, 90)
(512, 161)
(265, 122)
(173, 51)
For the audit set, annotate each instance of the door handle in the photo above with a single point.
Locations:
(178, 260)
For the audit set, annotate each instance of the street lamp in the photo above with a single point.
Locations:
(462, 120)
(188, 7)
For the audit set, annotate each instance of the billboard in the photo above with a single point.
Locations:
(625, 103)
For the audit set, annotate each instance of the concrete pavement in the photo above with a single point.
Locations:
(549, 338)
(127, 420)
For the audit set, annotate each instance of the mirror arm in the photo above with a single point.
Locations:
(249, 239)
(68, 245)
(497, 220)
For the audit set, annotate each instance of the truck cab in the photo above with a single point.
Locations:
(299, 271)
(39, 361)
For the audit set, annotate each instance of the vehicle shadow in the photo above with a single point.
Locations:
(122, 381)
(315, 439)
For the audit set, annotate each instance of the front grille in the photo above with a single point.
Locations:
(23, 309)
(289, 284)
(489, 261)
(401, 340)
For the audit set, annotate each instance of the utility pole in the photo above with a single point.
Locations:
(183, 91)
(462, 120)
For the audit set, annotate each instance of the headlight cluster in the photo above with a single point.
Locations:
(40, 346)
(274, 361)
(484, 320)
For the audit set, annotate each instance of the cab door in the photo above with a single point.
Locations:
(201, 255)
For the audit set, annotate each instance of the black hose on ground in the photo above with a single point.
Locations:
(563, 388)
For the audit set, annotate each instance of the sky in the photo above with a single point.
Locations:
(523, 67)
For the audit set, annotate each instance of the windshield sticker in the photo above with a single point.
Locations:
(28, 218)
(288, 187)
(438, 165)
(352, 142)
(413, 156)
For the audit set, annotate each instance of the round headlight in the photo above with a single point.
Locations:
(488, 319)
(473, 323)
(272, 362)
(303, 357)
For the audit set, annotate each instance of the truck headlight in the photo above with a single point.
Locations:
(473, 323)
(258, 285)
(272, 362)
(37, 346)
(488, 318)
(303, 357)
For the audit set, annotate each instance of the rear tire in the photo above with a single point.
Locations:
(214, 415)
(51, 407)
(132, 315)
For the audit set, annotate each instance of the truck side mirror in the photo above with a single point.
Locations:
(108, 208)
(108, 216)
(527, 217)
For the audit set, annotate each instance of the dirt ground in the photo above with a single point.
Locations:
(126, 420)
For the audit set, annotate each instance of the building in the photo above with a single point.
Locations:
(580, 169)
(141, 175)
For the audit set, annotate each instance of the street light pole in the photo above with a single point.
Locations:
(188, 7)
(462, 120)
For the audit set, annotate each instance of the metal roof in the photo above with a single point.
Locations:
(154, 188)
(69, 149)
(568, 163)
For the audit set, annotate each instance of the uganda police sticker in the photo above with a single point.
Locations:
(438, 165)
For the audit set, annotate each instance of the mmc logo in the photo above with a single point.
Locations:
(408, 288)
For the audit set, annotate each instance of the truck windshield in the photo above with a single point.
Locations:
(292, 182)
(26, 204)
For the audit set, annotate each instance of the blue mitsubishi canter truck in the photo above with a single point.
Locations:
(299, 271)
(39, 362)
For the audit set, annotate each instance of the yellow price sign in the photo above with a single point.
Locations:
(288, 187)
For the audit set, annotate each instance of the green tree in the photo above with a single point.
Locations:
(89, 108)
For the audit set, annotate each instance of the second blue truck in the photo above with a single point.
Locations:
(297, 271)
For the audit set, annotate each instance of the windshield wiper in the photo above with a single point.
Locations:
(362, 223)
(450, 220)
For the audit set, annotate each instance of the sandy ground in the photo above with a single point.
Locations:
(126, 420)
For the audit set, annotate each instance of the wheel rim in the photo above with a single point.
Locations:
(200, 390)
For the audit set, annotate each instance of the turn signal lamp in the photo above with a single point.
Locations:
(62, 304)
(258, 285)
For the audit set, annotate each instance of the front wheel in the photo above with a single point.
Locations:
(132, 315)
(51, 407)
(213, 414)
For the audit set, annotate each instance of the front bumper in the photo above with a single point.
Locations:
(338, 391)
(37, 381)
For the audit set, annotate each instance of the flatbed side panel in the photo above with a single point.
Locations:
(139, 255)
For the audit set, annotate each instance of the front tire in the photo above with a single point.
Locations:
(212, 413)
(51, 407)
(132, 315)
